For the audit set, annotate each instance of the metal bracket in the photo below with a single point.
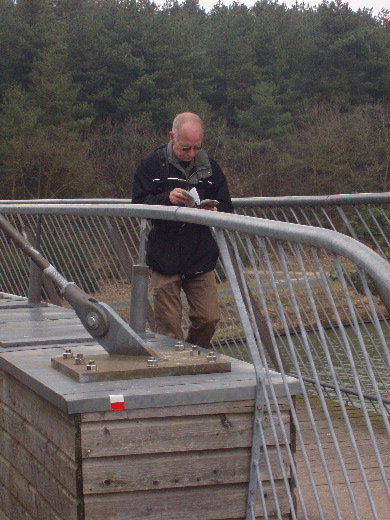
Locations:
(102, 322)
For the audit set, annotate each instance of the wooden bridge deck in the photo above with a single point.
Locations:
(22, 327)
(338, 481)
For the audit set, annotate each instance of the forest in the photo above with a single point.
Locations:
(295, 100)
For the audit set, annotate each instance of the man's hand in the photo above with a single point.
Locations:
(209, 208)
(177, 197)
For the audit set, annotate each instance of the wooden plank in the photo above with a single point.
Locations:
(285, 516)
(174, 470)
(23, 494)
(44, 417)
(16, 304)
(62, 502)
(174, 434)
(243, 407)
(26, 314)
(51, 456)
(366, 454)
(6, 298)
(10, 508)
(43, 332)
(199, 503)
(40, 325)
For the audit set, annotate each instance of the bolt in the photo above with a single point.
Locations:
(194, 350)
(91, 366)
(179, 345)
(93, 320)
(211, 356)
(67, 354)
(79, 359)
(152, 362)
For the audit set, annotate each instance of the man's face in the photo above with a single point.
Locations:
(188, 142)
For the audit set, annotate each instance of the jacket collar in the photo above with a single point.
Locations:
(201, 168)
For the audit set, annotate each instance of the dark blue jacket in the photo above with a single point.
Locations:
(176, 247)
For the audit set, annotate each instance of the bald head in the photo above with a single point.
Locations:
(186, 135)
(186, 119)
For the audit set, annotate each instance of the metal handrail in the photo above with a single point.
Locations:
(296, 201)
(377, 267)
(315, 200)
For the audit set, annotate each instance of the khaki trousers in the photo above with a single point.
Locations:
(201, 294)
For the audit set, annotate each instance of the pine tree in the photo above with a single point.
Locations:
(42, 153)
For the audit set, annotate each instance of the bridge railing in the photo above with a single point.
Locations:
(304, 301)
(363, 216)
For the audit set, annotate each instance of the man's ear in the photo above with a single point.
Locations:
(171, 136)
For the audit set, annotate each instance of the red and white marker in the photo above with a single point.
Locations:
(117, 402)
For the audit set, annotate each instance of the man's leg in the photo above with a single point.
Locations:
(204, 313)
(167, 304)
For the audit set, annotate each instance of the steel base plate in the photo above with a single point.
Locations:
(111, 368)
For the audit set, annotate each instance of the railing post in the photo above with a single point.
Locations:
(132, 272)
(139, 292)
(35, 273)
(254, 480)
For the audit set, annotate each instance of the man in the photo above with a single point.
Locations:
(182, 256)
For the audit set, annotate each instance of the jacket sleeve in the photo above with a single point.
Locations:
(145, 184)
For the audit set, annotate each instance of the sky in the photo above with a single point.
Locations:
(376, 5)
